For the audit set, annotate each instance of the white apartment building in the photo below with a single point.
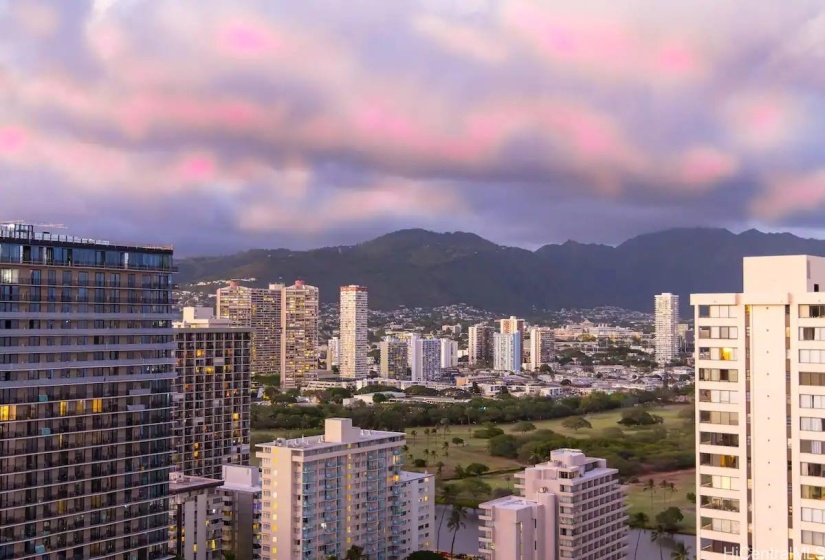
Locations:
(542, 347)
(324, 494)
(513, 325)
(760, 415)
(242, 500)
(449, 353)
(417, 500)
(507, 351)
(571, 507)
(195, 517)
(333, 352)
(426, 359)
(354, 344)
(667, 327)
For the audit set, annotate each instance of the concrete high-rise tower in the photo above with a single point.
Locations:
(260, 310)
(507, 352)
(542, 345)
(760, 413)
(299, 338)
(667, 327)
(86, 371)
(480, 344)
(354, 343)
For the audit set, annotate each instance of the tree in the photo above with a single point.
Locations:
(657, 535)
(691, 497)
(476, 469)
(638, 521)
(355, 552)
(457, 441)
(445, 425)
(664, 485)
(425, 555)
(379, 398)
(439, 468)
(445, 446)
(669, 519)
(681, 552)
(413, 433)
(456, 522)
(650, 486)
(524, 427)
(420, 463)
(576, 423)
(448, 494)
(565, 383)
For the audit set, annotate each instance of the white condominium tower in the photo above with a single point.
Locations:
(513, 325)
(260, 310)
(507, 352)
(354, 343)
(760, 386)
(426, 359)
(449, 353)
(324, 494)
(542, 342)
(570, 508)
(299, 339)
(333, 352)
(667, 327)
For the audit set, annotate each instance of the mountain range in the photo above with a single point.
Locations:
(419, 268)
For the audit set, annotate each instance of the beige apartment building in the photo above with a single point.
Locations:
(666, 342)
(324, 494)
(299, 353)
(542, 347)
(259, 309)
(418, 531)
(394, 358)
(760, 415)
(571, 507)
(511, 326)
(353, 335)
(480, 345)
(86, 371)
(211, 393)
(195, 518)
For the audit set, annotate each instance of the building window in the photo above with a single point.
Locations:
(812, 492)
(717, 396)
(712, 374)
(722, 461)
(812, 515)
(714, 438)
(717, 311)
(720, 418)
(811, 311)
(719, 482)
(812, 469)
(812, 446)
(720, 525)
(721, 354)
(812, 401)
(812, 356)
(718, 332)
(808, 424)
(721, 504)
(814, 379)
(813, 537)
(811, 333)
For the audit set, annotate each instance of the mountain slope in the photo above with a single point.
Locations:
(419, 268)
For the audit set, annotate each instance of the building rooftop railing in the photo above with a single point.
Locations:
(26, 232)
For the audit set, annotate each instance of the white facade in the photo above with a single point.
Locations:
(354, 344)
(324, 494)
(507, 351)
(542, 347)
(667, 327)
(241, 492)
(333, 352)
(571, 507)
(418, 500)
(195, 514)
(760, 414)
(449, 353)
(426, 359)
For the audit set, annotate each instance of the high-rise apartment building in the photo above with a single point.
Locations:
(426, 359)
(507, 352)
(86, 371)
(195, 518)
(571, 507)
(242, 501)
(212, 403)
(299, 339)
(760, 414)
(393, 358)
(353, 332)
(480, 344)
(333, 352)
(324, 494)
(513, 325)
(449, 353)
(542, 344)
(418, 504)
(667, 327)
(260, 310)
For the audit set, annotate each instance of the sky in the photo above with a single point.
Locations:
(219, 126)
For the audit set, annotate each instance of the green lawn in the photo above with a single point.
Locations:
(609, 419)
(641, 500)
(474, 450)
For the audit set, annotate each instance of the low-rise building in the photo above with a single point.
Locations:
(195, 514)
(241, 492)
(419, 530)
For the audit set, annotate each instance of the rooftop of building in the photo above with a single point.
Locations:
(179, 483)
(241, 478)
(19, 231)
(407, 476)
(336, 432)
(508, 502)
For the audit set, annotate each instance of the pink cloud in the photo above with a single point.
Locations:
(246, 38)
(787, 195)
(462, 39)
(762, 121)
(704, 166)
(196, 168)
(12, 139)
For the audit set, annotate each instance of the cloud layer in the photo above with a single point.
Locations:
(219, 125)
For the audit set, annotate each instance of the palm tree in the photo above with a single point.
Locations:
(456, 521)
(650, 486)
(681, 552)
(445, 425)
(448, 494)
(664, 485)
(445, 446)
(355, 552)
(413, 433)
(657, 535)
(639, 522)
(439, 467)
(427, 435)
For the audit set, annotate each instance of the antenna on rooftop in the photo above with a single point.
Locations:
(26, 222)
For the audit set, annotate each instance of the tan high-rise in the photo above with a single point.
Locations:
(354, 343)
(570, 508)
(260, 310)
(86, 371)
(513, 325)
(299, 339)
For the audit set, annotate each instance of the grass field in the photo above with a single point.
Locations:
(639, 499)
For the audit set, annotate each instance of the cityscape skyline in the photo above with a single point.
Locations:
(515, 119)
